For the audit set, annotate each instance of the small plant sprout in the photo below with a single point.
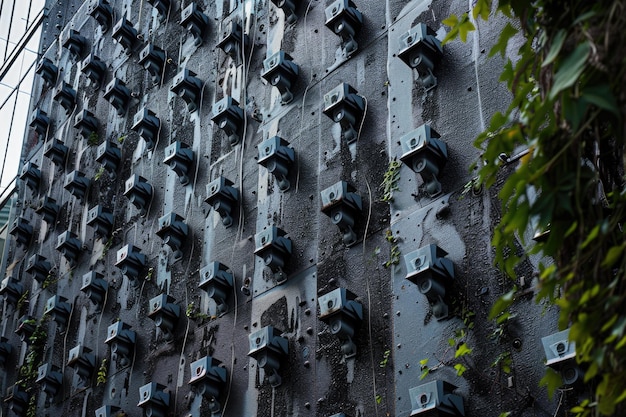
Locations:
(93, 139)
(98, 174)
(390, 180)
(395, 253)
(102, 372)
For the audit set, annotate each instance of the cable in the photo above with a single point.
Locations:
(245, 72)
(104, 303)
(306, 89)
(369, 298)
(140, 14)
(369, 213)
(69, 320)
(369, 331)
(182, 350)
(358, 135)
(240, 225)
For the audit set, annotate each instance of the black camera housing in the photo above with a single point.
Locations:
(433, 273)
(345, 106)
(421, 50)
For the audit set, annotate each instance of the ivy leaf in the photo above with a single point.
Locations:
(453, 23)
(507, 74)
(583, 17)
(464, 28)
(613, 255)
(602, 97)
(460, 369)
(570, 69)
(552, 380)
(618, 329)
(606, 389)
(462, 350)
(482, 9)
(458, 27)
(507, 33)
(555, 48)
(574, 109)
(502, 304)
(591, 236)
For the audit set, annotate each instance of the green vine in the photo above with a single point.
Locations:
(50, 280)
(31, 411)
(194, 312)
(394, 256)
(32, 361)
(383, 363)
(390, 180)
(22, 300)
(102, 372)
(93, 138)
(99, 174)
(559, 147)
(461, 349)
(503, 362)
(107, 246)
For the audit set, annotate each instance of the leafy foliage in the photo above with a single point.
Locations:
(503, 362)
(29, 369)
(194, 312)
(93, 139)
(99, 174)
(102, 372)
(559, 152)
(394, 255)
(390, 180)
(23, 300)
(383, 363)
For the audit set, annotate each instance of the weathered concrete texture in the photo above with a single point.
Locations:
(398, 329)
(458, 109)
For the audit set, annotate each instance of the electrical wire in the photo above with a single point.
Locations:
(182, 350)
(104, 303)
(369, 298)
(358, 135)
(188, 212)
(306, 89)
(245, 75)
(69, 320)
(241, 214)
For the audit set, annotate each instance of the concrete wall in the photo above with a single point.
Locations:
(398, 322)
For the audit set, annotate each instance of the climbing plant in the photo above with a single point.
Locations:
(557, 157)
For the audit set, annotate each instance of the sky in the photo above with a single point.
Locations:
(14, 114)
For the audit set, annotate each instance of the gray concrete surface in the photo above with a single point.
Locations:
(317, 379)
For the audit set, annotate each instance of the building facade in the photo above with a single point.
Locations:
(262, 208)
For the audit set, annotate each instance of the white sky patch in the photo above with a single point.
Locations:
(15, 18)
